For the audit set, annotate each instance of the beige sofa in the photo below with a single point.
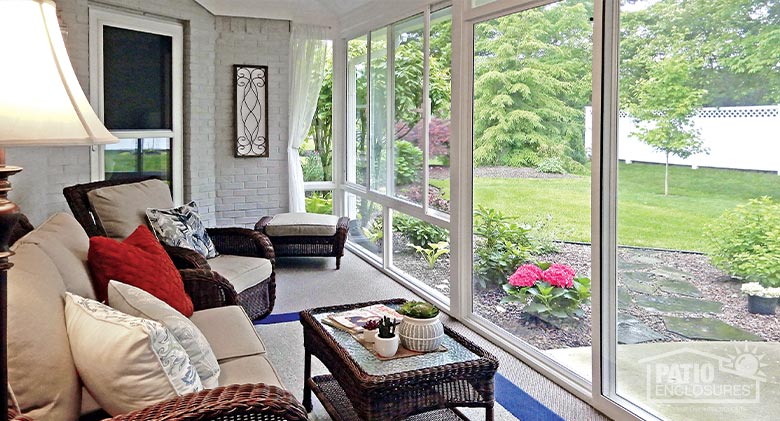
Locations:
(51, 260)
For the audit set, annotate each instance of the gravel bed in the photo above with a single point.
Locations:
(438, 172)
(713, 284)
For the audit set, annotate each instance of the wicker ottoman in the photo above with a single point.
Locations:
(306, 234)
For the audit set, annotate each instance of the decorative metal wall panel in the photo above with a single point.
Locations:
(251, 83)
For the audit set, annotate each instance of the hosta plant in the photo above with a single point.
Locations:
(432, 252)
(546, 289)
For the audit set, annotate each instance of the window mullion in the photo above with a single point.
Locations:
(426, 105)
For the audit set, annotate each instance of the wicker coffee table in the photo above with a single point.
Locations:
(424, 387)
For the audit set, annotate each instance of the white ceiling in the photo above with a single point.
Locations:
(339, 15)
(322, 12)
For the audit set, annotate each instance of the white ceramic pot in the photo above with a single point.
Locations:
(421, 335)
(370, 335)
(386, 347)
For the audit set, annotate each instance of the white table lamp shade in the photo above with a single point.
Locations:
(41, 101)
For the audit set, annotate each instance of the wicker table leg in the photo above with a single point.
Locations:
(306, 388)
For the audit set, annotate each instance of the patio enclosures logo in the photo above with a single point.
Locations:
(690, 376)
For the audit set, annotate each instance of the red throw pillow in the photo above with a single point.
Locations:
(141, 261)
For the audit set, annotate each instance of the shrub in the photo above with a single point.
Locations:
(312, 167)
(320, 203)
(745, 241)
(419, 233)
(551, 166)
(375, 230)
(408, 162)
(501, 246)
(435, 199)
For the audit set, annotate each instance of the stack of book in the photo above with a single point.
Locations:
(352, 321)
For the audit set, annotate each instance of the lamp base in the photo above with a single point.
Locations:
(9, 215)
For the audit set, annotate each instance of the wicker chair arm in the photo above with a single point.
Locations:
(343, 224)
(208, 289)
(242, 242)
(184, 258)
(234, 402)
(262, 223)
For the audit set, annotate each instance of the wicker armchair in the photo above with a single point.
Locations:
(258, 300)
(244, 402)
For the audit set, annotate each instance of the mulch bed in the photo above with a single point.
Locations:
(713, 284)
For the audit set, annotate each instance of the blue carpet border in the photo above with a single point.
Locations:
(511, 397)
(278, 318)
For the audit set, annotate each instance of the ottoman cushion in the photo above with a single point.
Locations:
(302, 224)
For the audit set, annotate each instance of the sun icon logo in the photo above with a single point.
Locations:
(746, 362)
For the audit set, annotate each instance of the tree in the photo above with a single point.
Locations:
(532, 82)
(321, 130)
(664, 106)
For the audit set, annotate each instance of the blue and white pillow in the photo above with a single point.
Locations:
(126, 362)
(181, 227)
(139, 303)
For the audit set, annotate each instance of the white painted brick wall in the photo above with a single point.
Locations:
(38, 190)
(248, 188)
(229, 191)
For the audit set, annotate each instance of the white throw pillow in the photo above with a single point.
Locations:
(126, 362)
(137, 302)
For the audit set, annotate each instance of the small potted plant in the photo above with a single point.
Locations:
(761, 300)
(386, 342)
(420, 330)
(370, 330)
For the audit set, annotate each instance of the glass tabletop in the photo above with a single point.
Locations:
(456, 353)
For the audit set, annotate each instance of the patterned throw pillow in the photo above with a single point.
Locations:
(126, 362)
(139, 303)
(182, 227)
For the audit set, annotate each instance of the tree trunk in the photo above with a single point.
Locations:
(666, 176)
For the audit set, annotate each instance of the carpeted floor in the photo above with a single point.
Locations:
(521, 393)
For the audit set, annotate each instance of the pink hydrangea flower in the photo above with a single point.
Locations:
(558, 275)
(525, 276)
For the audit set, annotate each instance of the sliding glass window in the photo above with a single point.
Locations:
(398, 112)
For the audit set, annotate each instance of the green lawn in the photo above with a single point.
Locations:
(645, 216)
(125, 161)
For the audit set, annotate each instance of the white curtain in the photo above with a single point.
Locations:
(308, 53)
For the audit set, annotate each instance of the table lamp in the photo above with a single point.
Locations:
(41, 104)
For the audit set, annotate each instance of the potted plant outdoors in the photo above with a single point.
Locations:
(420, 330)
(370, 331)
(761, 300)
(386, 342)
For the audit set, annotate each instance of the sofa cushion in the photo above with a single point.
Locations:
(140, 261)
(67, 244)
(299, 223)
(249, 369)
(41, 370)
(139, 303)
(242, 272)
(120, 209)
(229, 331)
(126, 362)
(182, 227)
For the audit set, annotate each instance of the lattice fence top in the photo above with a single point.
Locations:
(733, 112)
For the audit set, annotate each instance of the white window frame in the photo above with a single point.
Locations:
(98, 18)
(600, 392)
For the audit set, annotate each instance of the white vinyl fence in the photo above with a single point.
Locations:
(746, 138)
